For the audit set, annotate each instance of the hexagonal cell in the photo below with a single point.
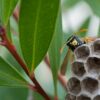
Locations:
(96, 46)
(90, 84)
(83, 97)
(78, 68)
(82, 52)
(98, 78)
(93, 64)
(74, 86)
(70, 97)
(97, 97)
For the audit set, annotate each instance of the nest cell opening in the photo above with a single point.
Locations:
(97, 97)
(83, 97)
(70, 97)
(74, 86)
(90, 84)
(96, 46)
(93, 64)
(78, 68)
(82, 52)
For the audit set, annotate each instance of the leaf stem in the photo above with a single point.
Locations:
(61, 78)
(5, 42)
(12, 50)
(65, 63)
(55, 98)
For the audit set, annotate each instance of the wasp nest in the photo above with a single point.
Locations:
(84, 83)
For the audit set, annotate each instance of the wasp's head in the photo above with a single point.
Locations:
(73, 42)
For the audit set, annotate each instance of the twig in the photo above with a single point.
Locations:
(65, 62)
(5, 42)
(55, 98)
(61, 78)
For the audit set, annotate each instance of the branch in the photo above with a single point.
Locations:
(55, 98)
(62, 79)
(65, 62)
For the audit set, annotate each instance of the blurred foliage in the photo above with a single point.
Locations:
(69, 3)
(94, 4)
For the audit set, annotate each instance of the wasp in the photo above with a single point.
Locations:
(74, 41)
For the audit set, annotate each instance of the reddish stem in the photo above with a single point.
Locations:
(56, 98)
(61, 78)
(12, 50)
(39, 88)
(65, 63)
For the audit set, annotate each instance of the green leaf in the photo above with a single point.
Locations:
(54, 51)
(95, 6)
(9, 76)
(6, 9)
(37, 96)
(13, 93)
(36, 25)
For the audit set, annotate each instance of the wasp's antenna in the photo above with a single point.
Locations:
(82, 30)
